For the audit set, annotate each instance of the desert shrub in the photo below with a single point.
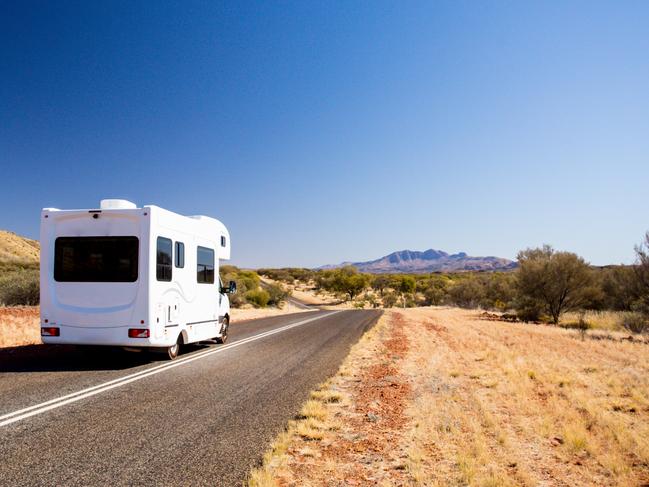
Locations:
(407, 284)
(498, 290)
(434, 296)
(288, 274)
(277, 294)
(466, 293)
(409, 300)
(20, 288)
(528, 310)
(370, 299)
(380, 283)
(258, 298)
(390, 299)
(635, 322)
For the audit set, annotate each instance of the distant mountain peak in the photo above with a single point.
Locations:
(431, 260)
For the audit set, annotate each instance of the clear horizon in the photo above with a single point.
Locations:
(323, 133)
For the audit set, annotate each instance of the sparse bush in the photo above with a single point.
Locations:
(20, 288)
(434, 296)
(635, 322)
(529, 311)
(258, 298)
(380, 283)
(389, 299)
(277, 294)
(498, 290)
(466, 293)
(409, 300)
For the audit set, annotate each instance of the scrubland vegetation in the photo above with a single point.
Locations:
(19, 284)
(250, 290)
(547, 287)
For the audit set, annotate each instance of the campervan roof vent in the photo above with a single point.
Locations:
(116, 205)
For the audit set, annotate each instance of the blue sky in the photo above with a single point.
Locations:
(328, 131)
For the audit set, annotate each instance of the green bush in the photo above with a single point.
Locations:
(258, 298)
(390, 299)
(277, 294)
(20, 288)
(529, 311)
(466, 293)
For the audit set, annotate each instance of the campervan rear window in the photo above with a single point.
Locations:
(96, 259)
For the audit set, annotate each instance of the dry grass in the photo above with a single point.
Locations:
(19, 326)
(486, 403)
(598, 320)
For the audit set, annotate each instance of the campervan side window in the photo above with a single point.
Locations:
(96, 259)
(180, 255)
(223, 241)
(205, 265)
(163, 259)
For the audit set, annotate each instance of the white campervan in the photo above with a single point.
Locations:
(132, 277)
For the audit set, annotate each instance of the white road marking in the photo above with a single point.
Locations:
(58, 402)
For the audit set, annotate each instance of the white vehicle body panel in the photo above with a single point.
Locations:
(101, 313)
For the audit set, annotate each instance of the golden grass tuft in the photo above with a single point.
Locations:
(313, 409)
(326, 396)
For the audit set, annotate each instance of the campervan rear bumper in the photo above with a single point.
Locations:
(112, 336)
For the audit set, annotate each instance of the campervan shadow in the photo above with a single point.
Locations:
(132, 277)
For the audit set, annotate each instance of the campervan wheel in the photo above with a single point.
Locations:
(172, 351)
(224, 331)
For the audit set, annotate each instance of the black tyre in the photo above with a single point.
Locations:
(174, 350)
(224, 331)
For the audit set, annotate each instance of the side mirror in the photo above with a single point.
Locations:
(232, 288)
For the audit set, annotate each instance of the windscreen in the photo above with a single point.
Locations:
(96, 259)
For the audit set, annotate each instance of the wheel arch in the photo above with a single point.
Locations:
(184, 337)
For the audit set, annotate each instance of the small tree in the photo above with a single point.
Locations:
(349, 281)
(557, 281)
(380, 283)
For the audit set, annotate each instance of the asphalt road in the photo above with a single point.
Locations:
(134, 419)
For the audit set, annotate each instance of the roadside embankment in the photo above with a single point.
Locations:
(19, 325)
(439, 396)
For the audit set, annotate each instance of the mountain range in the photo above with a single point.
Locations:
(431, 260)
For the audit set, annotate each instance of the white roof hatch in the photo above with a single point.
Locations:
(114, 204)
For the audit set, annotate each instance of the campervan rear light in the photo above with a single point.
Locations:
(138, 333)
(50, 331)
